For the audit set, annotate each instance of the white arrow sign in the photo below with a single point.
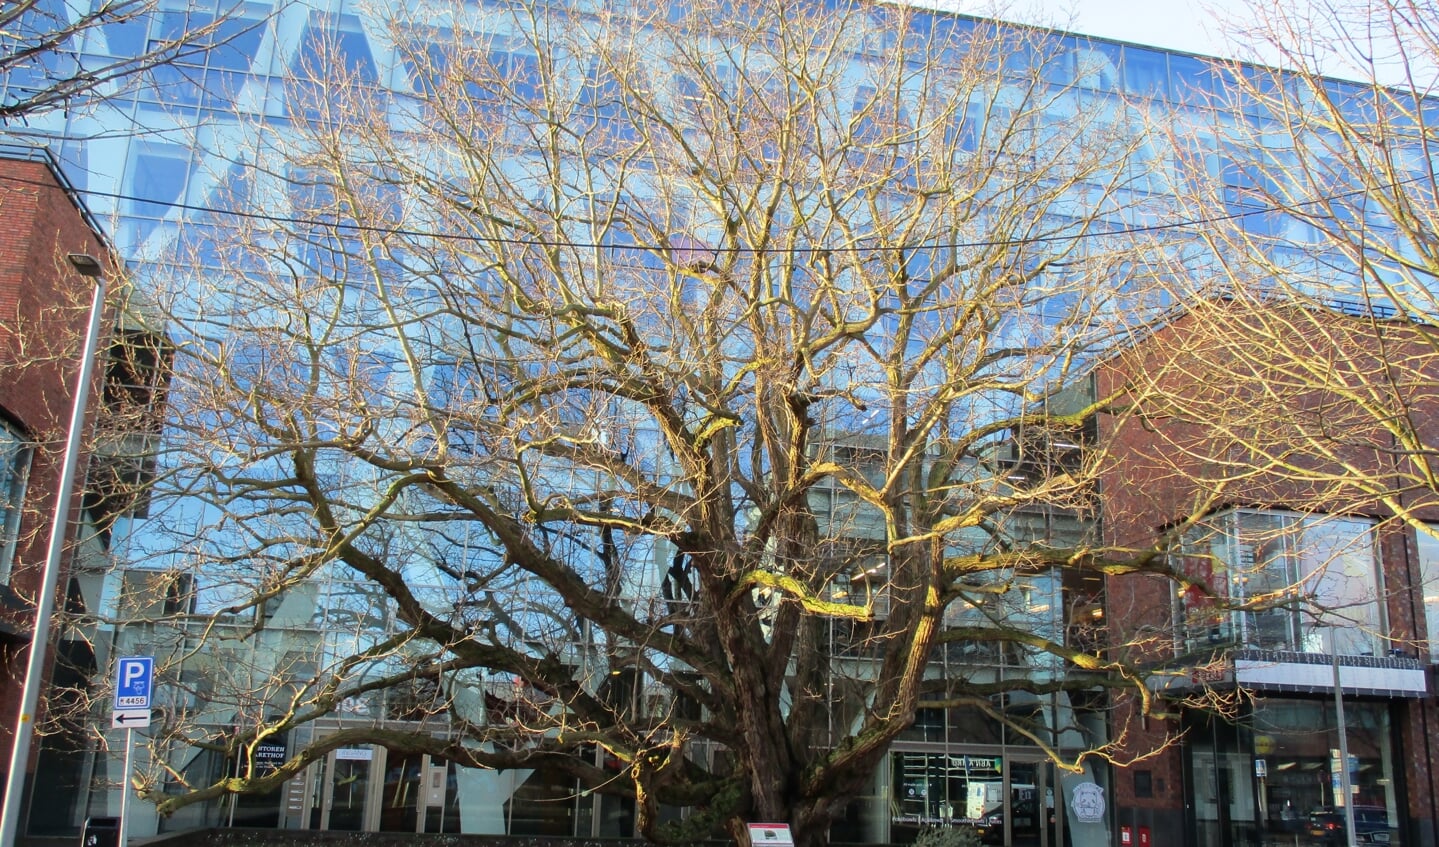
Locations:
(129, 718)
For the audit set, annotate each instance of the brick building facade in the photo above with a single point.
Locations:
(1254, 464)
(44, 309)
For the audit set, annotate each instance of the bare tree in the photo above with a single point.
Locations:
(40, 57)
(1301, 372)
(1325, 199)
(668, 402)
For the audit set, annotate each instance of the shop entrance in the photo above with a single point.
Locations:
(419, 795)
(1006, 799)
(367, 789)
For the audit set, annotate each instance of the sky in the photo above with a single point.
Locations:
(1208, 27)
(1191, 26)
(1173, 24)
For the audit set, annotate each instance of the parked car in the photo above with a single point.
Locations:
(1371, 825)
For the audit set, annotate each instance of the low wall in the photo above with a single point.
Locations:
(240, 837)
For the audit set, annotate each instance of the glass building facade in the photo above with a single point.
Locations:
(170, 164)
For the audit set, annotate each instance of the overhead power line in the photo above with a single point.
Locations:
(355, 227)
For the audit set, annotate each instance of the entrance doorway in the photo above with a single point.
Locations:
(1005, 799)
(367, 789)
(419, 795)
(348, 788)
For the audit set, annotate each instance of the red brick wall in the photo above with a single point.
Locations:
(1161, 469)
(44, 309)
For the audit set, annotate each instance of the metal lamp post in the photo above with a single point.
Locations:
(1344, 781)
(90, 267)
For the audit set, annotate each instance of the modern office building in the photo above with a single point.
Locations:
(232, 139)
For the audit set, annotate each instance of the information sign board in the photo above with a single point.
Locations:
(134, 692)
(134, 676)
(770, 835)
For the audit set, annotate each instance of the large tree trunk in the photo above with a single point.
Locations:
(809, 824)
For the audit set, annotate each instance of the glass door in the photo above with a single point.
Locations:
(419, 795)
(401, 799)
(1030, 805)
(347, 787)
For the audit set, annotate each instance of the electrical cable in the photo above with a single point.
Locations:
(348, 226)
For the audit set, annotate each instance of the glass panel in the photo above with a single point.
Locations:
(400, 800)
(14, 467)
(331, 47)
(617, 817)
(1268, 571)
(158, 174)
(1312, 584)
(1190, 80)
(349, 784)
(1145, 73)
(1429, 577)
(928, 726)
(1029, 800)
(938, 789)
(544, 805)
(1274, 779)
(1339, 560)
(1297, 766)
(1222, 795)
(257, 810)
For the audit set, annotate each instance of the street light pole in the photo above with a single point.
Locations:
(1344, 786)
(88, 266)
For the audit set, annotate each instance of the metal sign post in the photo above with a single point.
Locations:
(134, 690)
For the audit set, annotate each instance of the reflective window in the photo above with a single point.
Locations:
(602, 102)
(880, 118)
(158, 173)
(28, 76)
(331, 48)
(1145, 73)
(993, 799)
(1249, 188)
(935, 789)
(1429, 577)
(1190, 80)
(213, 70)
(1279, 773)
(1281, 581)
(15, 454)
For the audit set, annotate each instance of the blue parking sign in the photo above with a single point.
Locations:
(134, 682)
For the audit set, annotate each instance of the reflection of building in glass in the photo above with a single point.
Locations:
(1311, 582)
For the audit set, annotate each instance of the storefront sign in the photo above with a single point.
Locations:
(973, 764)
(355, 754)
(269, 755)
(1087, 802)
